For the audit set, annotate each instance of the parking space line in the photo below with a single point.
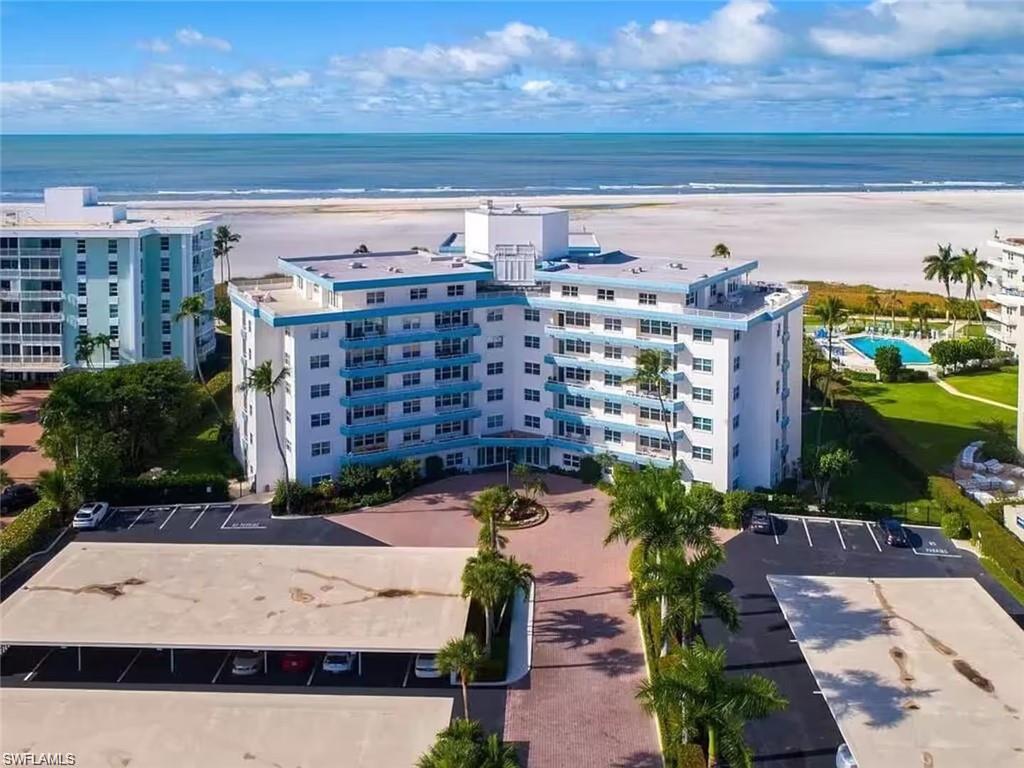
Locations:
(228, 518)
(201, 513)
(133, 522)
(312, 671)
(868, 526)
(840, 534)
(30, 675)
(165, 522)
(775, 533)
(408, 669)
(807, 531)
(220, 668)
(130, 665)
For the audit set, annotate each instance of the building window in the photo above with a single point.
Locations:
(580, 375)
(653, 414)
(493, 395)
(165, 306)
(531, 369)
(320, 390)
(612, 380)
(363, 412)
(578, 319)
(112, 269)
(165, 243)
(701, 454)
(165, 327)
(496, 342)
(410, 351)
(654, 443)
(165, 264)
(702, 335)
(736, 421)
(411, 379)
(113, 311)
(495, 369)
(318, 332)
(369, 443)
(531, 315)
(321, 448)
(648, 299)
(702, 394)
(736, 451)
(778, 359)
(735, 335)
(412, 435)
(457, 290)
(531, 395)
(114, 332)
(736, 363)
(411, 323)
(410, 407)
(691, 298)
(320, 419)
(80, 246)
(112, 247)
(736, 392)
(571, 461)
(656, 327)
(605, 294)
(165, 285)
(577, 401)
(612, 353)
(613, 324)
(577, 347)
(319, 361)
(495, 315)
(448, 428)
(612, 436)
(570, 291)
(531, 422)
(316, 480)
(702, 424)
(80, 268)
(453, 459)
(165, 348)
(417, 294)
(374, 297)
(495, 422)
(115, 353)
(612, 409)
(531, 342)
(83, 310)
(82, 289)
(702, 365)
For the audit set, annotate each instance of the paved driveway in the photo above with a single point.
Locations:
(25, 461)
(577, 706)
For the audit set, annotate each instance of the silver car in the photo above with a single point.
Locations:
(90, 515)
(246, 663)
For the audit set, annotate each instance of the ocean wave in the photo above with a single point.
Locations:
(916, 183)
(255, 191)
(739, 185)
(626, 187)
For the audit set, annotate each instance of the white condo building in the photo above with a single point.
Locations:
(1007, 279)
(515, 341)
(73, 266)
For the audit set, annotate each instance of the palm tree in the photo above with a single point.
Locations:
(263, 380)
(389, 474)
(5, 476)
(85, 346)
(461, 656)
(55, 490)
(361, 248)
(457, 746)
(685, 587)
(721, 251)
(498, 754)
(103, 341)
(831, 312)
(223, 241)
(944, 267)
(920, 311)
(651, 367)
(193, 308)
(491, 580)
(489, 506)
(892, 300)
(974, 273)
(873, 305)
(709, 703)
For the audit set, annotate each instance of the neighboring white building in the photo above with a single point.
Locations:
(73, 266)
(514, 342)
(1004, 326)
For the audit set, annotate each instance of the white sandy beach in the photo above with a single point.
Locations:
(877, 237)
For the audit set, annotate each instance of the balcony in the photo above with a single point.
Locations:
(27, 251)
(368, 449)
(410, 336)
(52, 316)
(370, 420)
(42, 274)
(32, 295)
(374, 362)
(452, 408)
(450, 436)
(657, 453)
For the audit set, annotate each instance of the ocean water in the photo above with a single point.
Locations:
(420, 165)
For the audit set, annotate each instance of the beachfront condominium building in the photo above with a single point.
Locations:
(517, 341)
(1004, 322)
(73, 267)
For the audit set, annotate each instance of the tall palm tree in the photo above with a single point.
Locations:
(55, 490)
(489, 506)
(709, 703)
(461, 656)
(893, 300)
(193, 309)
(943, 266)
(103, 340)
(831, 312)
(920, 311)
(651, 367)
(974, 273)
(491, 580)
(263, 380)
(873, 305)
(721, 251)
(686, 588)
(85, 347)
(223, 241)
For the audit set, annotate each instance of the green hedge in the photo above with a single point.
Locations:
(167, 489)
(26, 534)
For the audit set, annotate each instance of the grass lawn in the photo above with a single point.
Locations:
(199, 451)
(937, 423)
(1000, 386)
(876, 478)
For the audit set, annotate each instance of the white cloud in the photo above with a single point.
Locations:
(154, 45)
(299, 79)
(536, 86)
(193, 38)
(736, 34)
(891, 30)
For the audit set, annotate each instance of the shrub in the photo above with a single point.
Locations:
(433, 468)
(26, 534)
(590, 470)
(734, 505)
(170, 488)
(690, 756)
(889, 362)
(357, 479)
(955, 526)
(375, 498)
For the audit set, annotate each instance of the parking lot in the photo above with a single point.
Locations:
(805, 734)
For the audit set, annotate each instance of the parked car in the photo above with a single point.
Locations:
(844, 757)
(90, 515)
(895, 533)
(426, 666)
(339, 662)
(760, 521)
(247, 663)
(16, 497)
(295, 661)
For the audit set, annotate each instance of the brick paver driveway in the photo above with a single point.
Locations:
(25, 461)
(577, 706)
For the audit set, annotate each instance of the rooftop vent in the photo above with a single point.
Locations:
(356, 265)
(456, 264)
(517, 208)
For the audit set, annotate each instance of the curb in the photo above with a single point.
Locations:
(530, 604)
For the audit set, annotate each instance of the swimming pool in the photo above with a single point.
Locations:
(867, 345)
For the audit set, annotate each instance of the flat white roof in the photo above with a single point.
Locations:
(402, 599)
(183, 729)
(354, 267)
(915, 671)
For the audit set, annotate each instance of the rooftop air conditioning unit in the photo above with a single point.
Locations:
(356, 265)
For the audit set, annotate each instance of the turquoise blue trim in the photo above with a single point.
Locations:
(416, 364)
(432, 448)
(579, 277)
(388, 311)
(592, 365)
(620, 341)
(591, 450)
(393, 396)
(390, 426)
(539, 441)
(564, 388)
(569, 417)
(410, 337)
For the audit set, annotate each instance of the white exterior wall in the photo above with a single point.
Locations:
(547, 231)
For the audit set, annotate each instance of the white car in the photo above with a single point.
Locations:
(339, 662)
(844, 757)
(426, 666)
(246, 663)
(90, 515)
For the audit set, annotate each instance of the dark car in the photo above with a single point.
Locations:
(16, 497)
(760, 521)
(294, 661)
(895, 533)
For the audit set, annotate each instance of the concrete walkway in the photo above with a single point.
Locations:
(954, 391)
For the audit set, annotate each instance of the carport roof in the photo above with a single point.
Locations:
(401, 599)
(915, 671)
(170, 729)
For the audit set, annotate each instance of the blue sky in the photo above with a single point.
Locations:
(888, 65)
